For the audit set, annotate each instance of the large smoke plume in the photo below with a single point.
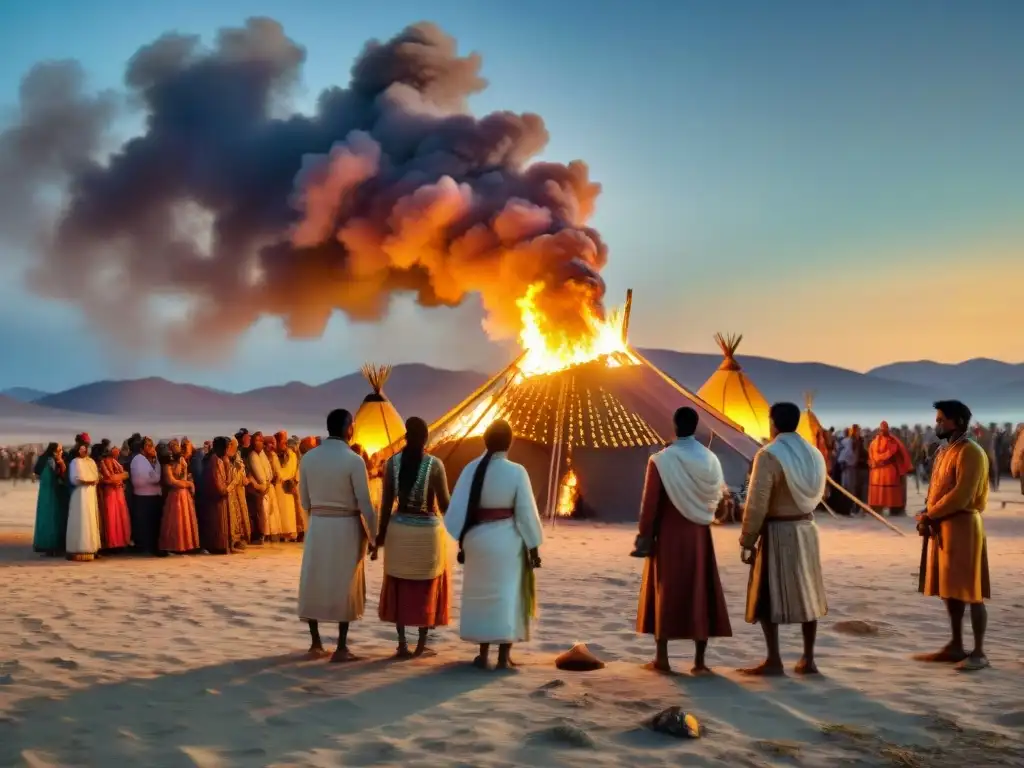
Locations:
(237, 210)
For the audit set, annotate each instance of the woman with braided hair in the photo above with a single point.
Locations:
(493, 514)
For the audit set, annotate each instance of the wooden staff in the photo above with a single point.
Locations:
(865, 507)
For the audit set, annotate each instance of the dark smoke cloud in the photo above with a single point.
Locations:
(391, 186)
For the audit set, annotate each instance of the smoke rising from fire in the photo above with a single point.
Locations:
(229, 204)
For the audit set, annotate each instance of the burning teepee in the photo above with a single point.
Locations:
(585, 428)
(810, 428)
(730, 391)
(377, 424)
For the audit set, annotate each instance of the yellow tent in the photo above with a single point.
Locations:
(377, 424)
(810, 427)
(734, 394)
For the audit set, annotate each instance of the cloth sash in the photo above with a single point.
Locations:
(692, 478)
(529, 593)
(804, 468)
(417, 548)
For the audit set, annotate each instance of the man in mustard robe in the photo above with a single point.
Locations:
(955, 557)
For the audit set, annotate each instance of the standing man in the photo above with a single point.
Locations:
(681, 596)
(147, 509)
(1017, 457)
(888, 463)
(342, 527)
(956, 557)
(780, 540)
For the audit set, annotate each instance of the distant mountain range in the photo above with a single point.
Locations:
(899, 392)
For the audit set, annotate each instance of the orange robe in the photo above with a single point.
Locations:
(886, 462)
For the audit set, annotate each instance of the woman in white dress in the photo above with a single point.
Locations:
(83, 541)
(493, 514)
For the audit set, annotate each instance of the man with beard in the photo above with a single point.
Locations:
(780, 540)
(335, 489)
(955, 560)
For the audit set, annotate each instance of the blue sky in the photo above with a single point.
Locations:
(838, 181)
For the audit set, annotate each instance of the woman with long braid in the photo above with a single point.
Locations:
(493, 515)
(417, 581)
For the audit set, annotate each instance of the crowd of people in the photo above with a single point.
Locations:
(170, 497)
(234, 492)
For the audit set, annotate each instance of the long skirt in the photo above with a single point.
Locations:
(83, 523)
(497, 585)
(51, 515)
(958, 569)
(147, 512)
(681, 595)
(417, 587)
(332, 584)
(179, 528)
(786, 585)
(117, 525)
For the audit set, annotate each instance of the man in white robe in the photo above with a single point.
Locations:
(494, 516)
(335, 490)
(780, 540)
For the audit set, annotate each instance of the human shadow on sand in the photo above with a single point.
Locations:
(240, 713)
(794, 708)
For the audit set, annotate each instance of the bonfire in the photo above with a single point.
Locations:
(588, 411)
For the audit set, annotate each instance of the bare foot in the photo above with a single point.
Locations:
(343, 656)
(661, 667)
(424, 653)
(764, 669)
(973, 663)
(701, 670)
(480, 663)
(947, 655)
(506, 665)
(806, 667)
(316, 652)
(403, 652)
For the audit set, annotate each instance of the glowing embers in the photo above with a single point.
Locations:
(568, 494)
(593, 416)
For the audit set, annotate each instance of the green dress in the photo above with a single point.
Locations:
(51, 511)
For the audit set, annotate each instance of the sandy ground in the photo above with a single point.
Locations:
(198, 661)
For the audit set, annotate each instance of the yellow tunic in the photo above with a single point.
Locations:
(957, 564)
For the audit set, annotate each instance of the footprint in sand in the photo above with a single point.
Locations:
(1012, 719)
(862, 628)
(63, 663)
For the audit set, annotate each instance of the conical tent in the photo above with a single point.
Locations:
(377, 424)
(810, 427)
(730, 391)
(586, 432)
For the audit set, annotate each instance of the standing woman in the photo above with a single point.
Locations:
(179, 528)
(83, 542)
(417, 575)
(117, 526)
(493, 514)
(242, 482)
(51, 513)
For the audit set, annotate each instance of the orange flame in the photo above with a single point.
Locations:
(550, 349)
(568, 493)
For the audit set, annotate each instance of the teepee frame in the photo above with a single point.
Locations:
(590, 415)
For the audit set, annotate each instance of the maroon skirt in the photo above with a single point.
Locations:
(416, 603)
(681, 596)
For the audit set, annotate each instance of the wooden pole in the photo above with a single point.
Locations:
(864, 506)
(829, 509)
(625, 314)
